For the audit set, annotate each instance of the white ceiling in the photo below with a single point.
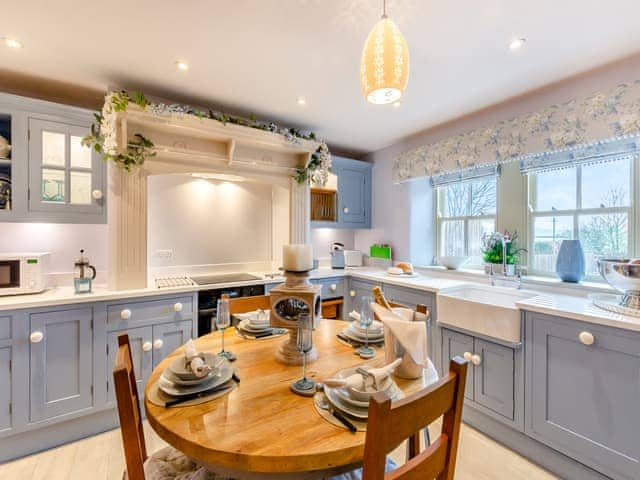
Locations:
(260, 55)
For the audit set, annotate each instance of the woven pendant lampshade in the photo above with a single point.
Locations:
(384, 69)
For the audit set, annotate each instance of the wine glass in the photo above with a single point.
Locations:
(366, 319)
(304, 344)
(223, 321)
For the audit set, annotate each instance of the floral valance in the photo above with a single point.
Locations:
(613, 114)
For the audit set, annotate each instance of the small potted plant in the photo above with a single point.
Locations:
(496, 245)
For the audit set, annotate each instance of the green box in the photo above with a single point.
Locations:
(376, 251)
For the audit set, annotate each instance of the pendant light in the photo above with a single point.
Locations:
(384, 69)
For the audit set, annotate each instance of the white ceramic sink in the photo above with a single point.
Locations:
(489, 311)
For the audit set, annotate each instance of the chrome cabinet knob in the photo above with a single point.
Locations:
(157, 344)
(586, 338)
(467, 356)
(476, 359)
(177, 307)
(125, 314)
(36, 337)
(147, 346)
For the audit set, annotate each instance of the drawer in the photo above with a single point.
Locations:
(332, 287)
(407, 296)
(5, 327)
(136, 312)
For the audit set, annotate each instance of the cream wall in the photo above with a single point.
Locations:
(403, 215)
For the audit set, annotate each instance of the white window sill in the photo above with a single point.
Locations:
(552, 284)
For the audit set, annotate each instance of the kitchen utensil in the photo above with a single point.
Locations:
(337, 255)
(624, 277)
(83, 274)
(193, 396)
(323, 403)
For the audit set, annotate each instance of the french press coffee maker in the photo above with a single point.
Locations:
(83, 274)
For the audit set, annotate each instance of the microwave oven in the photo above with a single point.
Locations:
(22, 273)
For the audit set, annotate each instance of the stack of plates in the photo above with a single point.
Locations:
(255, 323)
(343, 400)
(178, 380)
(356, 332)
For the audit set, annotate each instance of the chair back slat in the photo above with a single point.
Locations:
(135, 450)
(392, 422)
(249, 304)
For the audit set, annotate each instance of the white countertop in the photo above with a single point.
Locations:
(547, 302)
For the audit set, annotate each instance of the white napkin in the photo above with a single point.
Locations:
(411, 335)
(196, 364)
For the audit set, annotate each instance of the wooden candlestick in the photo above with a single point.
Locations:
(295, 296)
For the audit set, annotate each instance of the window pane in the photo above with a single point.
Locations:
(477, 228)
(80, 155)
(455, 200)
(53, 149)
(606, 185)
(452, 238)
(80, 187)
(483, 197)
(556, 190)
(603, 236)
(52, 185)
(548, 233)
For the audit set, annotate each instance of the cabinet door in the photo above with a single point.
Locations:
(352, 195)
(410, 298)
(5, 389)
(140, 340)
(457, 344)
(61, 362)
(495, 378)
(64, 176)
(168, 337)
(584, 398)
(358, 289)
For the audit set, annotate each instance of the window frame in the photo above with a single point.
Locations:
(632, 211)
(439, 194)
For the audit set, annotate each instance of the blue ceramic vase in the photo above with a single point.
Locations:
(570, 264)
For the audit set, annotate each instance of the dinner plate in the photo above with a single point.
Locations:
(402, 275)
(168, 375)
(247, 327)
(375, 327)
(179, 366)
(360, 337)
(391, 390)
(340, 404)
(170, 388)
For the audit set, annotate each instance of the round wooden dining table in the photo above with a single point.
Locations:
(262, 430)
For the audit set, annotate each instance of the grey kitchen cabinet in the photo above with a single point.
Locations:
(169, 336)
(353, 194)
(141, 341)
(408, 297)
(331, 287)
(61, 362)
(583, 392)
(492, 374)
(5, 388)
(358, 289)
(53, 178)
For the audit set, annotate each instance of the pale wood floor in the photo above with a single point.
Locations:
(100, 458)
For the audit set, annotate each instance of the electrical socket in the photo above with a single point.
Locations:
(164, 254)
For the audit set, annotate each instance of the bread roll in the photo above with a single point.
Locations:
(405, 267)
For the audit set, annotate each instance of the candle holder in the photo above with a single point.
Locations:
(295, 296)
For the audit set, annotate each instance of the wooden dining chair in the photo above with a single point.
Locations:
(390, 423)
(249, 304)
(166, 464)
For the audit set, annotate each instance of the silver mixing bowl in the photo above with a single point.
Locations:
(624, 277)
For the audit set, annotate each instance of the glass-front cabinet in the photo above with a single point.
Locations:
(46, 174)
(63, 174)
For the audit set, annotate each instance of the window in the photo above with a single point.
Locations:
(593, 203)
(466, 211)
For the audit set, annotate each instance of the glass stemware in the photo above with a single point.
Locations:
(304, 344)
(223, 321)
(366, 319)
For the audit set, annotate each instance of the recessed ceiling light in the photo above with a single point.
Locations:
(11, 42)
(301, 101)
(517, 43)
(182, 66)
(397, 104)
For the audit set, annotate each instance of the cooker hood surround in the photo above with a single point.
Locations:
(187, 144)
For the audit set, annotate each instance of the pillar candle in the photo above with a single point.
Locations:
(297, 258)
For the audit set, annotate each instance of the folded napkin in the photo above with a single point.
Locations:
(257, 317)
(411, 335)
(195, 362)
